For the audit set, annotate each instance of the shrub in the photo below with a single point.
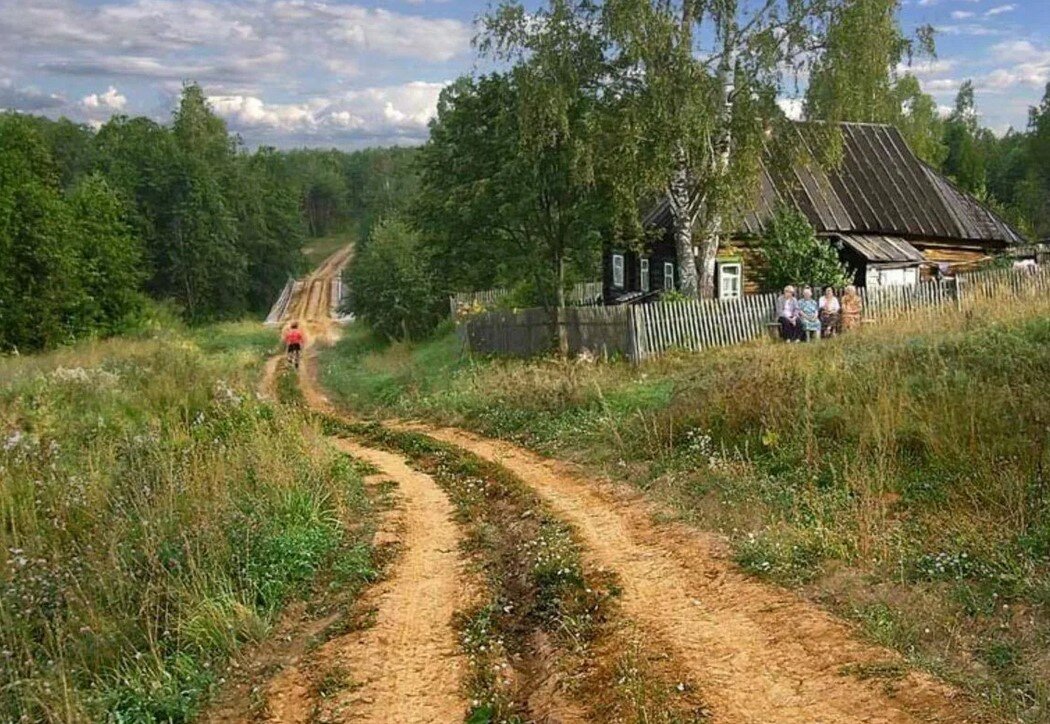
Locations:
(391, 285)
(794, 255)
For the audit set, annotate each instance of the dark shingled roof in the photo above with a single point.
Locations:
(880, 188)
(882, 249)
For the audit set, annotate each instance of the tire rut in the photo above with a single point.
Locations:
(407, 667)
(759, 653)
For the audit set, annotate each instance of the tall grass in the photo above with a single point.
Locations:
(899, 474)
(154, 516)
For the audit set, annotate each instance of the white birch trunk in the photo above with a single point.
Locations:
(679, 196)
(711, 230)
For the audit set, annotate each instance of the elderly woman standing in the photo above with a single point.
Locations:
(851, 309)
(829, 313)
(809, 314)
(787, 315)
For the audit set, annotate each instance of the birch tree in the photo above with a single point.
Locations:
(693, 93)
(862, 75)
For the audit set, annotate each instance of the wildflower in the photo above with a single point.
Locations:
(13, 440)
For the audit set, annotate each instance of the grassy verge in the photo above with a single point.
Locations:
(898, 475)
(154, 517)
(545, 615)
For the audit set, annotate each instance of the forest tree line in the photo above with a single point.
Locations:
(606, 106)
(94, 224)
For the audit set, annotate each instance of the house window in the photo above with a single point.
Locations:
(617, 268)
(668, 275)
(896, 277)
(643, 272)
(730, 280)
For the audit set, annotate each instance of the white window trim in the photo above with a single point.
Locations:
(668, 274)
(738, 272)
(643, 274)
(618, 270)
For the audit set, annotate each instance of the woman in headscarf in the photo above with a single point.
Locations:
(851, 309)
(829, 313)
(787, 315)
(809, 314)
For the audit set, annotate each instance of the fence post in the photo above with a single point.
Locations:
(633, 353)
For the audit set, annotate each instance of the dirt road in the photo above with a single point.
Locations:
(761, 654)
(313, 300)
(405, 665)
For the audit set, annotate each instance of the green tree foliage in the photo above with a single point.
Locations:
(694, 88)
(391, 286)
(463, 184)
(965, 161)
(179, 211)
(1033, 194)
(919, 121)
(380, 182)
(221, 229)
(110, 256)
(794, 255)
(266, 203)
(506, 195)
(856, 78)
(68, 266)
(340, 191)
(40, 294)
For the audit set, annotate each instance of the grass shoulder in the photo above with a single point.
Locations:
(155, 517)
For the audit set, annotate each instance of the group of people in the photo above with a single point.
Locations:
(808, 319)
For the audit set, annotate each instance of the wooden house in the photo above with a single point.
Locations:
(893, 219)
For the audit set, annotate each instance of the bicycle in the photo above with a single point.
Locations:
(294, 355)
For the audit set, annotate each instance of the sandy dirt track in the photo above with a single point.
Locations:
(406, 665)
(759, 653)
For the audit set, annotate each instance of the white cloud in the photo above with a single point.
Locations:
(999, 10)
(1025, 64)
(971, 29)
(1020, 51)
(940, 85)
(111, 100)
(15, 98)
(961, 14)
(926, 67)
(203, 39)
(343, 68)
(389, 112)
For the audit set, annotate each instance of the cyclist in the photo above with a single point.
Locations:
(293, 341)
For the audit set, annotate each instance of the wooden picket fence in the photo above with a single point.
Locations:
(697, 324)
(1004, 283)
(645, 331)
(581, 294)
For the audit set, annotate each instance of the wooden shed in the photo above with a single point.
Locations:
(893, 219)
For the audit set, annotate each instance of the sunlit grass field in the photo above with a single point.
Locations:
(900, 475)
(155, 515)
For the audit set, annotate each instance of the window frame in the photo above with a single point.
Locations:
(738, 266)
(619, 276)
(669, 274)
(643, 274)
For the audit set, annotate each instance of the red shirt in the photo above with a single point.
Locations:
(293, 336)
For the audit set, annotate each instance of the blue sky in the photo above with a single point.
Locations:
(351, 74)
